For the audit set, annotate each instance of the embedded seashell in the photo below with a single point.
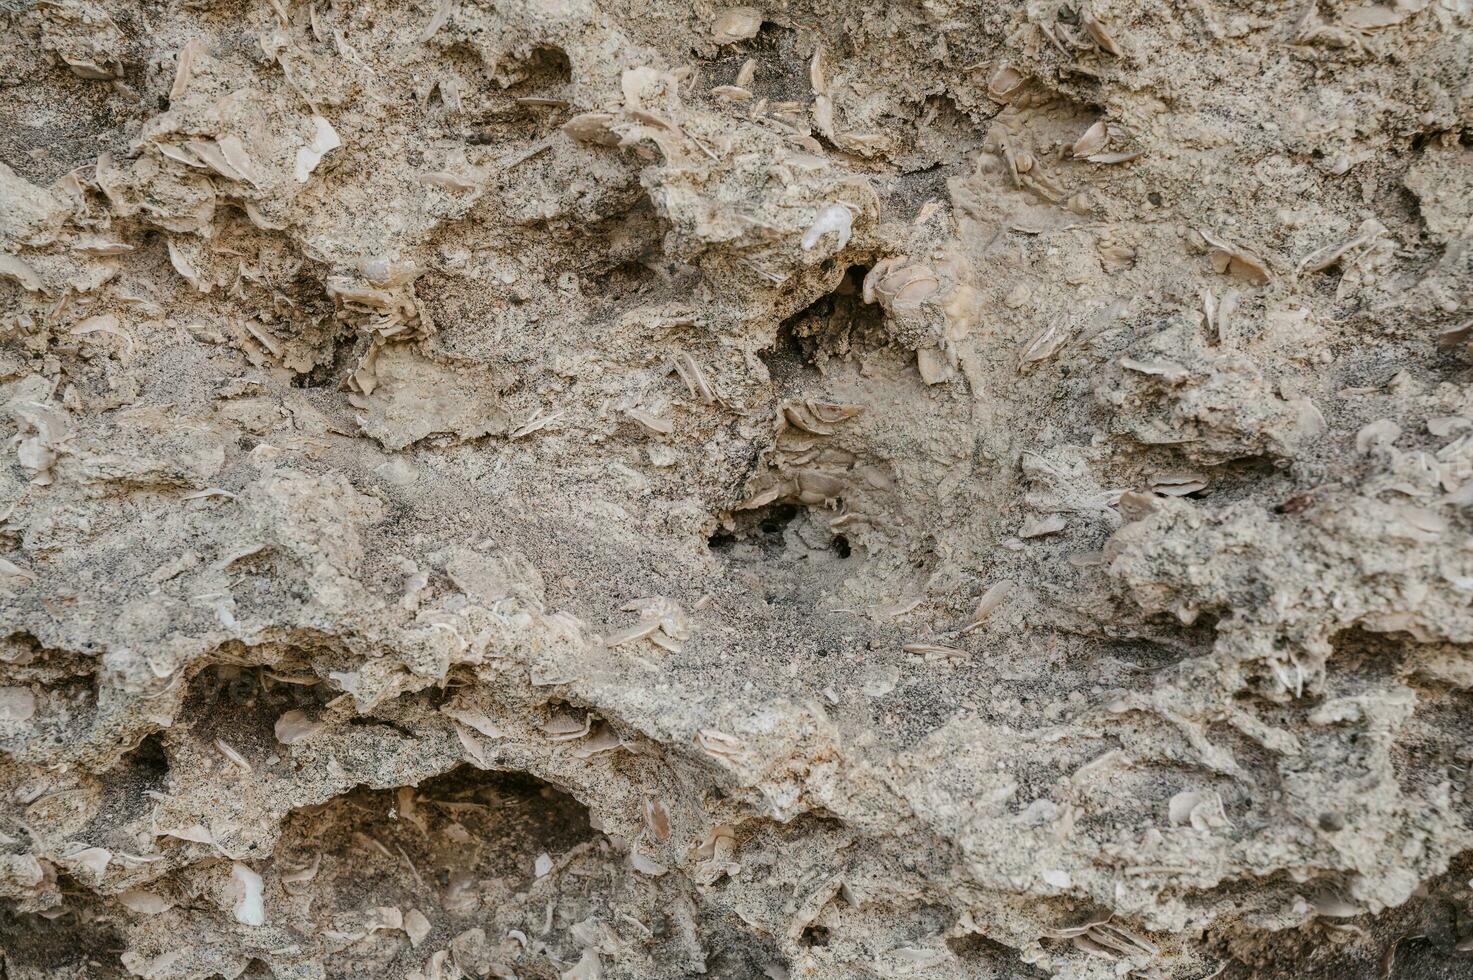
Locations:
(295, 726)
(736, 24)
(1005, 81)
(835, 218)
(1178, 484)
(250, 902)
(592, 127)
(1093, 140)
(818, 488)
(17, 703)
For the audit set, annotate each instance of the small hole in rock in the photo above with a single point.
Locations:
(814, 936)
(778, 517)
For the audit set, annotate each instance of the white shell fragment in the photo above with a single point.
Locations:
(250, 902)
(94, 859)
(1178, 484)
(996, 594)
(144, 902)
(294, 727)
(416, 927)
(475, 719)
(736, 24)
(16, 704)
(1203, 811)
(834, 219)
(323, 141)
(1092, 141)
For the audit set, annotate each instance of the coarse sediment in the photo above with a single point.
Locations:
(575, 489)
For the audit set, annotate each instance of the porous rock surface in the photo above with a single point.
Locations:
(574, 488)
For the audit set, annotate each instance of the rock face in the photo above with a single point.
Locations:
(566, 488)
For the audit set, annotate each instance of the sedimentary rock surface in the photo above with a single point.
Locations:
(576, 489)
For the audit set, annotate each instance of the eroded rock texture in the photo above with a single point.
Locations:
(573, 488)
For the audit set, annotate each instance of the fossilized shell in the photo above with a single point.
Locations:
(144, 902)
(1045, 343)
(1005, 81)
(1092, 141)
(17, 703)
(836, 219)
(736, 24)
(1178, 484)
(1235, 261)
(295, 726)
(592, 127)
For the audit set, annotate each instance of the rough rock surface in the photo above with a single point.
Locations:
(566, 488)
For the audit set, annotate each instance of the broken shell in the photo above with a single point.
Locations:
(654, 423)
(933, 366)
(295, 726)
(324, 140)
(94, 859)
(831, 412)
(566, 728)
(991, 601)
(416, 927)
(1136, 506)
(592, 127)
(144, 902)
(1382, 432)
(1045, 343)
(731, 93)
(17, 703)
(1005, 81)
(535, 424)
(209, 151)
(1235, 261)
(657, 819)
(184, 69)
(816, 77)
(641, 630)
(1093, 140)
(933, 652)
(302, 875)
(1098, 31)
(90, 70)
(230, 753)
(446, 181)
(736, 24)
(475, 719)
(1330, 904)
(835, 218)
(1038, 527)
(250, 903)
(1202, 810)
(690, 372)
(1178, 484)
(1121, 156)
(1169, 371)
(195, 833)
(720, 744)
(1446, 425)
